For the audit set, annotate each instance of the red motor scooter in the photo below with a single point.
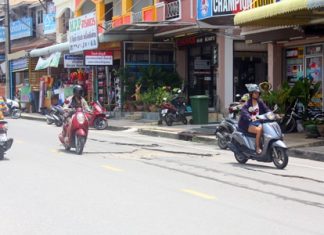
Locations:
(98, 116)
(75, 131)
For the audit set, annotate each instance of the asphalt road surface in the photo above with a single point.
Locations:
(126, 183)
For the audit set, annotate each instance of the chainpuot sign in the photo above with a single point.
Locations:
(83, 33)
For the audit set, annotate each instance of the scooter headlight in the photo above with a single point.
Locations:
(81, 118)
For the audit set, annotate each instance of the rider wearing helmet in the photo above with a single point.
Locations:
(76, 100)
(249, 112)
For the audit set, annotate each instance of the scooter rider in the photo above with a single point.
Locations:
(72, 102)
(249, 112)
(76, 100)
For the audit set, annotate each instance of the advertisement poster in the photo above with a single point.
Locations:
(83, 33)
(51, 61)
(49, 23)
(314, 68)
(98, 58)
(25, 94)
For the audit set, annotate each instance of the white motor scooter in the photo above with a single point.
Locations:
(273, 148)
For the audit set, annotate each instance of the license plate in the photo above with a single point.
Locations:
(164, 111)
(3, 137)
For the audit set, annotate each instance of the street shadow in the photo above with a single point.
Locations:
(250, 165)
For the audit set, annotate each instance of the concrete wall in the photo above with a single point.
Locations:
(139, 4)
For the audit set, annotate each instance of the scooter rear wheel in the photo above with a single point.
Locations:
(240, 158)
(100, 123)
(184, 120)
(168, 120)
(279, 157)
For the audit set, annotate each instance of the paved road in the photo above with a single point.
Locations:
(126, 183)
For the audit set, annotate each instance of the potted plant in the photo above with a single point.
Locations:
(311, 129)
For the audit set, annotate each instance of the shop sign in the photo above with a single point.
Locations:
(195, 40)
(202, 64)
(83, 33)
(49, 23)
(21, 28)
(295, 53)
(98, 58)
(2, 57)
(73, 61)
(20, 64)
(210, 8)
(51, 61)
(2, 34)
(314, 50)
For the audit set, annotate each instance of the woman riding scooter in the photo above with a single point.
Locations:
(252, 108)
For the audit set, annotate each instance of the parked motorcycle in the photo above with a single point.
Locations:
(13, 109)
(75, 131)
(98, 117)
(274, 149)
(55, 115)
(173, 111)
(228, 125)
(5, 142)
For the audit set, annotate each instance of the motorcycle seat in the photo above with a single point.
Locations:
(248, 134)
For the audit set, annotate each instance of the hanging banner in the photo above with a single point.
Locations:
(51, 61)
(83, 33)
(98, 58)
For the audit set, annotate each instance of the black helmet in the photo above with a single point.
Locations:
(77, 90)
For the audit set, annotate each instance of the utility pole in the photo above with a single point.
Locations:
(7, 49)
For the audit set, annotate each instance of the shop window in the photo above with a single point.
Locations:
(162, 53)
(137, 53)
(40, 17)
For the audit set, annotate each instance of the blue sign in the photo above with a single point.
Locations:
(204, 9)
(49, 23)
(20, 64)
(2, 57)
(21, 28)
(2, 34)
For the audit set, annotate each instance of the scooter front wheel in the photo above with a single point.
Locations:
(79, 144)
(279, 157)
(240, 158)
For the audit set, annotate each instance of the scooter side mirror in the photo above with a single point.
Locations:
(275, 108)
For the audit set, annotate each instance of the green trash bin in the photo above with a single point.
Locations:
(199, 104)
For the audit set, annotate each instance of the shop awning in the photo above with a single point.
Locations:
(283, 13)
(50, 49)
(51, 61)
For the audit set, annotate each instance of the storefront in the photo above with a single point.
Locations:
(202, 58)
(250, 65)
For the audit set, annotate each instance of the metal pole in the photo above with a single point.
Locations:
(7, 49)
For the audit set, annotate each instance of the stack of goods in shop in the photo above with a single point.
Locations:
(101, 78)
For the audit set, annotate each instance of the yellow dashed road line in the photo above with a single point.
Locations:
(199, 194)
(111, 168)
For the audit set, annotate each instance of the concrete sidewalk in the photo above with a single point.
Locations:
(298, 145)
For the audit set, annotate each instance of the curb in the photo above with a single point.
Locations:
(179, 136)
(304, 154)
(33, 118)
